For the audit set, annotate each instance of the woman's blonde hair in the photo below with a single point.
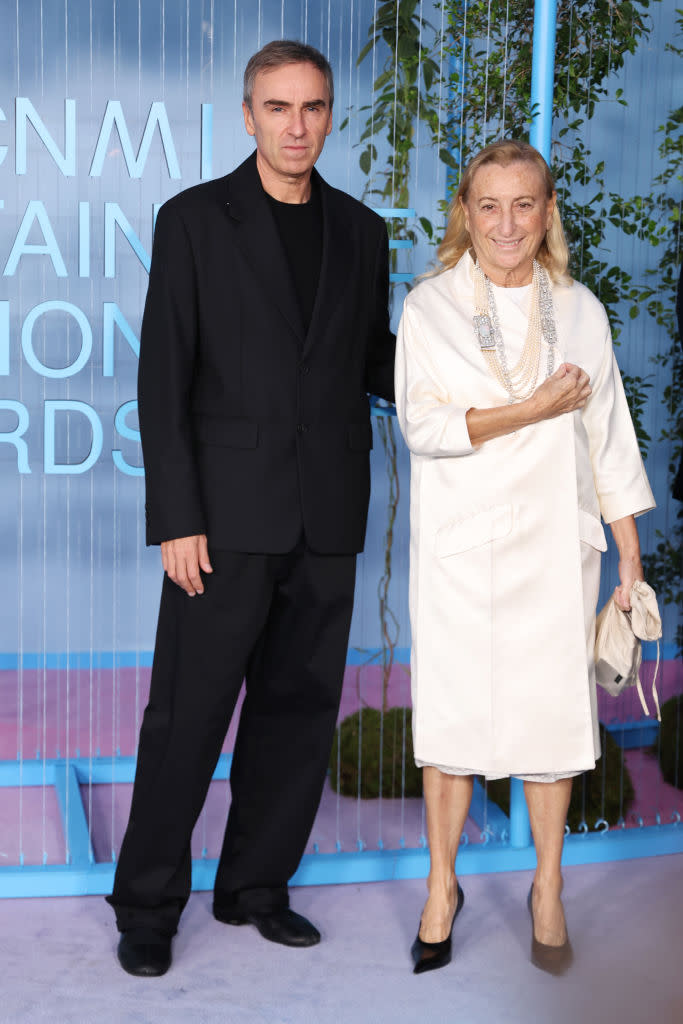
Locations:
(553, 253)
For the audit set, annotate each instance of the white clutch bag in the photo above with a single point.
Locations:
(618, 636)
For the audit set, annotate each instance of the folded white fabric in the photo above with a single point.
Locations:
(618, 636)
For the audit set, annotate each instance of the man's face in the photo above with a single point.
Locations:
(290, 119)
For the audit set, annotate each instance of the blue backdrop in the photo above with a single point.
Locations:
(105, 111)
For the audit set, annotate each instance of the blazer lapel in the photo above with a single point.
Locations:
(258, 240)
(337, 255)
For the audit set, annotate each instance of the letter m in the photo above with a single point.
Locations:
(113, 116)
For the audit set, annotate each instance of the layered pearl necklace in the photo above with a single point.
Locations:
(520, 382)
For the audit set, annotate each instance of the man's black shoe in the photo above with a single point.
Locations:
(282, 925)
(144, 952)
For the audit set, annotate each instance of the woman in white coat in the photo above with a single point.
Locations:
(511, 404)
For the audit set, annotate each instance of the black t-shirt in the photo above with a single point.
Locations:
(300, 228)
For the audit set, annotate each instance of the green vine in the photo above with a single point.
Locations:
(388, 620)
(404, 94)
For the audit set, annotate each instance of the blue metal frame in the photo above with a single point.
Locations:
(505, 842)
(542, 75)
(395, 213)
(542, 72)
(364, 866)
(82, 875)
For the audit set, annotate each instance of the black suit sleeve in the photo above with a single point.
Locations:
(379, 367)
(168, 352)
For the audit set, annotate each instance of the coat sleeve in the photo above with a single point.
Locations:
(431, 423)
(379, 366)
(168, 350)
(620, 480)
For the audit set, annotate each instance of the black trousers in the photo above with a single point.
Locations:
(281, 622)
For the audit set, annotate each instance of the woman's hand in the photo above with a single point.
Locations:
(567, 390)
(630, 570)
(630, 566)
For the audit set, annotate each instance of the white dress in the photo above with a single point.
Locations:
(506, 537)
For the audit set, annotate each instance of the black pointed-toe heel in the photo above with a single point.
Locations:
(429, 956)
(551, 959)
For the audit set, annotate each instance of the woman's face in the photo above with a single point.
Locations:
(507, 214)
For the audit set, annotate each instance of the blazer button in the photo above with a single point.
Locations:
(301, 428)
(305, 368)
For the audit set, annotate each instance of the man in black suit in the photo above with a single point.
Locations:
(265, 327)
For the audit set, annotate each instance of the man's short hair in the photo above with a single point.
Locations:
(280, 52)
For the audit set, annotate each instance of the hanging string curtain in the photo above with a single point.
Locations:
(115, 110)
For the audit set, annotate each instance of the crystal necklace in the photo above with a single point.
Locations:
(520, 382)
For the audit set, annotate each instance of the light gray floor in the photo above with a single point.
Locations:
(626, 922)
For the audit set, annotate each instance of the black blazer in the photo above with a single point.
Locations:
(252, 429)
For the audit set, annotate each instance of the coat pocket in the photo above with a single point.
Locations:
(591, 531)
(481, 528)
(228, 433)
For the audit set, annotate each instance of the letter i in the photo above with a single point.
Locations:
(207, 141)
(4, 339)
(84, 239)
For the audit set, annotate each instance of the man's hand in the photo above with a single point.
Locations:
(566, 390)
(182, 559)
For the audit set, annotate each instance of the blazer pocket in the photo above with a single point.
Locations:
(229, 433)
(360, 437)
(473, 532)
(591, 531)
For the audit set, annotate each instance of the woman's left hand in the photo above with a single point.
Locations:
(630, 570)
(630, 566)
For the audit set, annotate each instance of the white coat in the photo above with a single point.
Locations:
(506, 537)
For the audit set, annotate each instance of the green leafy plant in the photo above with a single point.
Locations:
(403, 96)
(670, 742)
(372, 755)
